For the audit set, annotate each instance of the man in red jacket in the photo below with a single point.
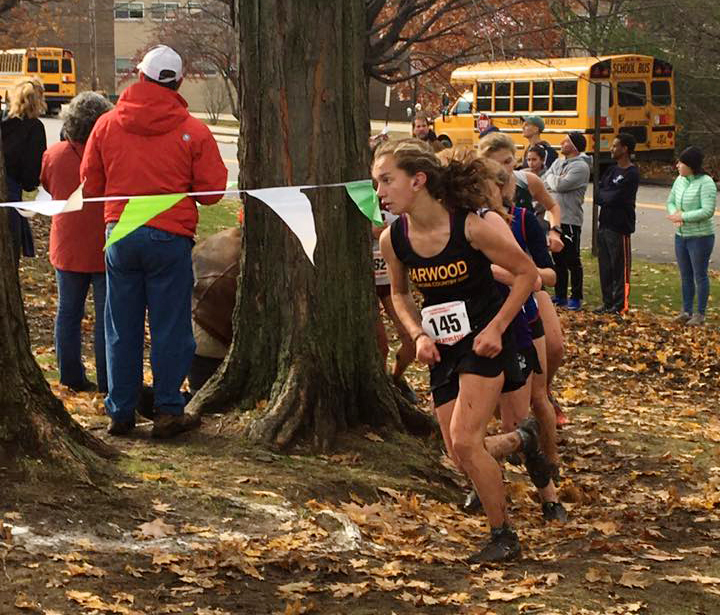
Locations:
(149, 144)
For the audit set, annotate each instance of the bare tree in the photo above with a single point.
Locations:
(203, 34)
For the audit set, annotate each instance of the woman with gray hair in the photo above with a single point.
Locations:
(76, 246)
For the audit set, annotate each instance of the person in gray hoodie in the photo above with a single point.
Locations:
(566, 181)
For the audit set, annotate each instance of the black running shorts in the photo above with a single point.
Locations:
(461, 359)
(536, 328)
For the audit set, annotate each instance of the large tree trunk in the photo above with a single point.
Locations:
(37, 436)
(304, 354)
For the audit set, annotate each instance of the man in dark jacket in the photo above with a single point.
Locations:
(618, 189)
(148, 145)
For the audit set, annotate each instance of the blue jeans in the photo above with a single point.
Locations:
(152, 269)
(693, 257)
(72, 291)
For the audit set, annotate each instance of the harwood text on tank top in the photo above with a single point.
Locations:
(439, 275)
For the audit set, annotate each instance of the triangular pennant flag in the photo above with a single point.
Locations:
(138, 210)
(295, 210)
(364, 196)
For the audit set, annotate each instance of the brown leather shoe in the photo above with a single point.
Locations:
(116, 428)
(169, 425)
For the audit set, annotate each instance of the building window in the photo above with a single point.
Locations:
(124, 66)
(129, 10)
(164, 11)
(195, 10)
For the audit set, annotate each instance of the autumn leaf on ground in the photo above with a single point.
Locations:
(156, 529)
(84, 569)
(608, 528)
(343, 590)
(373, 437)
(634, 579)
(160, 506)
(298, 589)
(593, 575)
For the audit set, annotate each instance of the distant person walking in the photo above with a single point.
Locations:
(618, 190)
(691, 206)
(566, 181)
(150, 144)
(76, 246)
(23, 143)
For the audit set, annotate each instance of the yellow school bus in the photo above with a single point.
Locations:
(54, 66)
(637, 96)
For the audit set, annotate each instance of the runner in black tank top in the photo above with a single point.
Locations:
(458, 273)
(462, 333)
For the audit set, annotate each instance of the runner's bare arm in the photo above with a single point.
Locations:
(541, 195)
(425, 349)
(501, 274)
(400, 288)
(507, 254)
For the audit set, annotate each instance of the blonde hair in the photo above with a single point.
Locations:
(27, 100)
(456, 177)
(495, 142)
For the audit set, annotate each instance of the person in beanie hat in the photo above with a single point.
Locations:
(533, 126)
(691, 206)
(566, 181)
(149, 145)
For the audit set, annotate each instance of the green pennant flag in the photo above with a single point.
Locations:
(363, 193)
(138, 211)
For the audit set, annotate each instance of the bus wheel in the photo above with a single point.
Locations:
(445, 140)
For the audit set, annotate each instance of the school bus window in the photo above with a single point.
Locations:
(541, 95)
(484, 97)
(49, 66)
(521, 96)
(462, 106)
(661, 94)
(631, 93)
(564, 95)
(67, 66)
(32, 65)
(502, 96)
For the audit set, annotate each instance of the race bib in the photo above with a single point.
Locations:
(381, 270)
(446, 323)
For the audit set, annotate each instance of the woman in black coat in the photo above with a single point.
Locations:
(23, 142)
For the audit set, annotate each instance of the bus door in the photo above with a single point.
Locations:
(662, 110)
(608, 115)
(632, 79)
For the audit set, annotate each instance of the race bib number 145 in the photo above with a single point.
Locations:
(446, 323)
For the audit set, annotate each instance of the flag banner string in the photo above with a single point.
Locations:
(288, 202)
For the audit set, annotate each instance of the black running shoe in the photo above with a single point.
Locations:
(503, 547)
(554, 511)
(514, 459)
(472, 502)
(539, 468)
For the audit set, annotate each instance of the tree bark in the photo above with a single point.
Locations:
(38, 438)
(304, 357)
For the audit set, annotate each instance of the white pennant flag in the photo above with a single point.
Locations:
(295, 210)
(44, 204)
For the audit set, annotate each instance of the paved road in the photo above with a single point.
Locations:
(653, 239)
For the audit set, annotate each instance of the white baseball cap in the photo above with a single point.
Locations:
(162, 64)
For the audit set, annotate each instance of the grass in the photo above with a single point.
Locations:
(653, 286)
(217, 217)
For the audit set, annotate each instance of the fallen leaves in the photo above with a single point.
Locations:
(155, 529)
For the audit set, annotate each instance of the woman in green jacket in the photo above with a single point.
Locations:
(691, 207)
